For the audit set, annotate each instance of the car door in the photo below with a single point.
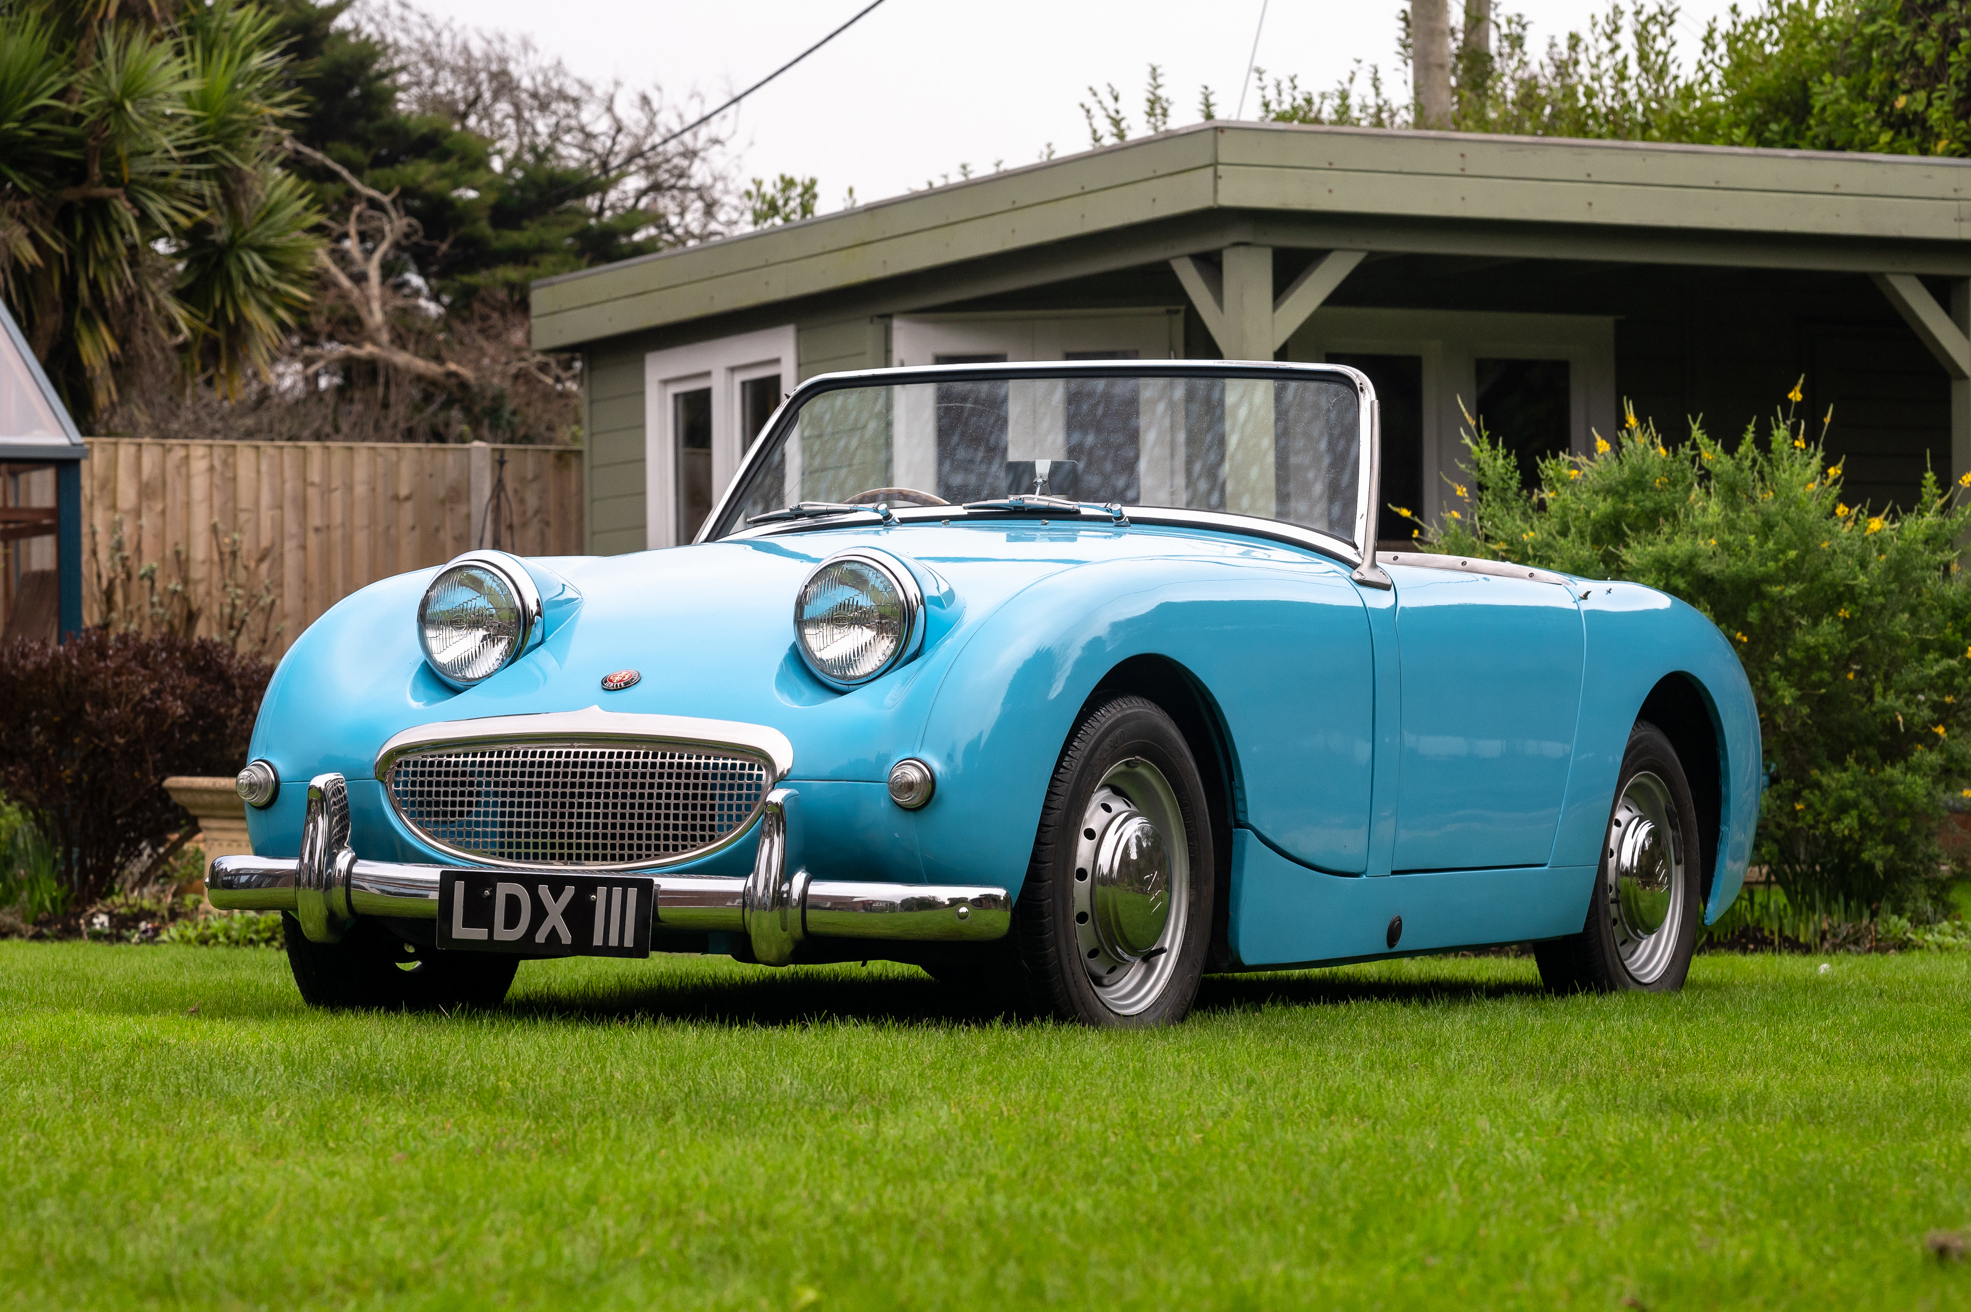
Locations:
(1491, 683)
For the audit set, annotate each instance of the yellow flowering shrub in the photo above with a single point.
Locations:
(1853, 625)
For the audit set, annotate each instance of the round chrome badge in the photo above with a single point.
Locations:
(620, 680)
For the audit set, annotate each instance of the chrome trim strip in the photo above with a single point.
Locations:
(594, 724)
(908, 589)
(919, 913)
(1503, 569)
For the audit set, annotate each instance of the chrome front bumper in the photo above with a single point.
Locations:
(327, 887)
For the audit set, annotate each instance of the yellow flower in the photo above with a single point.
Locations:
(1743, 638)
(1527, 536)
(1800, 442)
(1811, 486)
(1964, 480)
(1875, 523)
(1661, 450)
(1630, 420)
(1659, 482)
(1795, 396)
(1842, 510)
(1799, 806)
(1851, 674)
(1949, 698)
(1707, 455)
(1404, 513)
(1938, 729)
(1460, 488)
(1416, 532)
(1454, 514)
(1574, 473)
(1601, 445)
(1843, 613)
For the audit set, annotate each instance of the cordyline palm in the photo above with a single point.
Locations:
(141, 205)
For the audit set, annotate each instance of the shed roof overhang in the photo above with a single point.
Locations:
(1215, 185)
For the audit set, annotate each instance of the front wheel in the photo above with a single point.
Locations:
(1644, 909)
(1114, 920)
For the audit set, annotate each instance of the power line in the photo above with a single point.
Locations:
(702, 121)
(1251, 59)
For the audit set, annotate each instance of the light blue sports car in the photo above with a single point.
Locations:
(1077, 681)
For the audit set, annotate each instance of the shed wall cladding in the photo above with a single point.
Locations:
(614, 378)
(617, 440)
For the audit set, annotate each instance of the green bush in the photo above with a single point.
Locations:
(227, 929)
(1854, 627)
(29, 878)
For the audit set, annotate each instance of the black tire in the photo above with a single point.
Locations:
(1608, 956)
(373, 968)
(1122, 735)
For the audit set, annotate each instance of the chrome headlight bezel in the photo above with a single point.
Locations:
(903, 579)
(510, 574)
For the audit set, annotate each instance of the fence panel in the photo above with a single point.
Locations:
(316, 520)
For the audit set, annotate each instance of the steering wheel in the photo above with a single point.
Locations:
(896, 496)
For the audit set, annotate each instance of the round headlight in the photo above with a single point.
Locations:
(856, 616)
(476, 617)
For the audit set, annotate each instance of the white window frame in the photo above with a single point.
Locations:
(722, 365)
(1153, 332)
(1451, 342)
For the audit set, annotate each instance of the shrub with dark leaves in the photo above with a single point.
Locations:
(91, 728)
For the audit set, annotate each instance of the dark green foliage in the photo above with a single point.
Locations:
(1854, 627)
(95, 725)
(141, 209)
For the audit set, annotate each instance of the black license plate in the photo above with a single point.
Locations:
(542, 914)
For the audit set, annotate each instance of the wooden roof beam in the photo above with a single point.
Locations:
(1236, 302)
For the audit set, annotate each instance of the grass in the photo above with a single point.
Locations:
(685, 1133)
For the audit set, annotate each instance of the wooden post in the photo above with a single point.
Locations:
(1236, 301)
(479, 482)
(1430, 62)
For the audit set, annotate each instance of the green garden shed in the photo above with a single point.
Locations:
(1538, 283)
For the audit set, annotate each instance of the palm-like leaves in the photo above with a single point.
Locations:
(139, 198)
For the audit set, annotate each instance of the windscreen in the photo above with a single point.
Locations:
(1281, 448)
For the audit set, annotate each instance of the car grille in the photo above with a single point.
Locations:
(578, 804)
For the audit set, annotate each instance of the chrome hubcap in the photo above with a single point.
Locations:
(1131, 885)
(1645, 865)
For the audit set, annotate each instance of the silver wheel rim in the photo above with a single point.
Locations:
(1132, 883)
(1645, 874)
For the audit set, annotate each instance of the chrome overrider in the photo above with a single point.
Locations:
(776, 907)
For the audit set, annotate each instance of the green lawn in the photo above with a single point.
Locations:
(692, 1133)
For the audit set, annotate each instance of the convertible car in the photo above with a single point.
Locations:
(1073, 680)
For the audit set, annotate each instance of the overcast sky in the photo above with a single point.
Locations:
(921, 86)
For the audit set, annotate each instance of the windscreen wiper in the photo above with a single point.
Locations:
(812, 509)
(1031, 503)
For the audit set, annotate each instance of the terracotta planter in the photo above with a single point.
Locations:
(220, 812)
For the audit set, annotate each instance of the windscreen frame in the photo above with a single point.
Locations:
(1361, 551)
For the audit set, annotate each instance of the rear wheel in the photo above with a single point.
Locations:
(1114, 920)
(1643, 912)
(371, 967)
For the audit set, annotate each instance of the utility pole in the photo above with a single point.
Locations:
(1430, 61)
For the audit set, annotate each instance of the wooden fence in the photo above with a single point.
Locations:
(317, 520)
